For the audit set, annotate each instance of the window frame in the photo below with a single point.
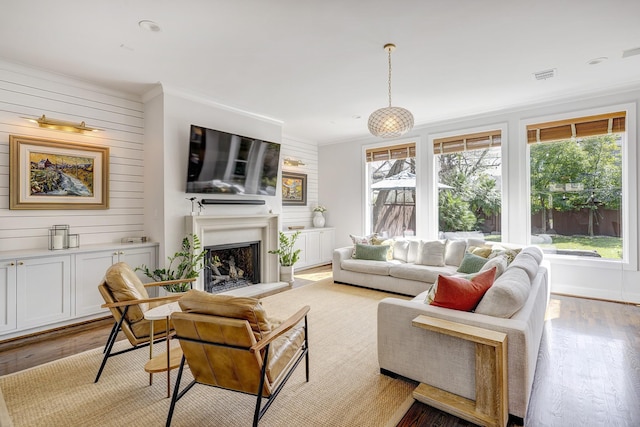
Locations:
(629, 260)
(431, 216)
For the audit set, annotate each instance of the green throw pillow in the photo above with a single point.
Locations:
(471, 263)
(371, 252)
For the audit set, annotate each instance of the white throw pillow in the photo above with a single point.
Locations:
(414, 248)
(454, 252)
(500, 262)
(400, 250)
(431, 253)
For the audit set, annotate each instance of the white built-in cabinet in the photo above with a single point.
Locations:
(41, 290)
(316, 246)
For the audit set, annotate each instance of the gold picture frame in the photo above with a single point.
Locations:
(51, 174)
(294, 189)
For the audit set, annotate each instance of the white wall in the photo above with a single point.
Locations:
(179, 111)
(341, 177)
(26, 92)
(307, 152)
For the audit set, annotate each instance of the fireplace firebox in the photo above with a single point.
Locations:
(231, 266)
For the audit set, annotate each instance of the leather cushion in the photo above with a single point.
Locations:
(125, 285)
(249, 309)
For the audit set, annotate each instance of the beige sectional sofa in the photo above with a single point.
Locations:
(515, 305)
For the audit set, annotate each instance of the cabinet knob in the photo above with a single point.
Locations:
(121, 253)
(11, 264)
(20, 263)
(115, 253)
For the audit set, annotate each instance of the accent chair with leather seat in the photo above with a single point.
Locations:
(126, 297)
(229, 342)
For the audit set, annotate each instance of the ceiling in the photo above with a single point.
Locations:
(319, 66)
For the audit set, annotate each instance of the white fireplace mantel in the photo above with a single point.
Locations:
(215, 230)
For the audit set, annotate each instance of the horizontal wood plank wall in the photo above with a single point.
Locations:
(307, 152)
(32, 93)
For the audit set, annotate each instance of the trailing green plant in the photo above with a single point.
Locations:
(184, 264)
(287, 255)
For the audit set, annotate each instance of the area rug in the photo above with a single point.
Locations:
(345, 388)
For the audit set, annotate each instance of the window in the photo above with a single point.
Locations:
(469, 170)
(576, 185)
(391, 175)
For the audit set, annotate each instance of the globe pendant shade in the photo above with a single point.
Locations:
(390, 122)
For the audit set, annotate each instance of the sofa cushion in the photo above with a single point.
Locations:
(527, 263)
(483, 251)
(534, 251)
(380, 268)
(462, 294)
(500, 262)
(364, 240)
(420, 272)
(471, 263)
(371, 252)
(249, 309)
(454, 252)
(414, 250)
(510, 253)
(401, 250)
(431, 253)
(507, 295)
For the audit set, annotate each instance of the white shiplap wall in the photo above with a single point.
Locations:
(307, 152)
(26, 92)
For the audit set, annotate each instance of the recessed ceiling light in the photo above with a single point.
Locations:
(150, 26)
(599, 60)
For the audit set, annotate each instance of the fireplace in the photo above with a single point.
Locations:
(222, 230)
(231, 266)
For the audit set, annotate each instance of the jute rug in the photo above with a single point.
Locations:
(345, 388)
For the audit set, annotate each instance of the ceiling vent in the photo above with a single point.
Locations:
(631, 52)
(544, 75)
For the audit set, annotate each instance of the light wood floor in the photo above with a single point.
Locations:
(588, 371)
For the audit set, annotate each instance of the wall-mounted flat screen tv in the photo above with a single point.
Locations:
(226, 163)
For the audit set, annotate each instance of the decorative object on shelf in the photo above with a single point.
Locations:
(296, 227)
(74, 241)
(189, 262)
(390, 122)
(318, 216)
(50, 174)
(293, 162)
(294, 189)
(55, 124)
(142, 239)
(287, 255)
(195, 202)
(59, 237)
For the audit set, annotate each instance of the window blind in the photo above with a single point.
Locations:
(471, 141)
(579, 127)
(394, 152)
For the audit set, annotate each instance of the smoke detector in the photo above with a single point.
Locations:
(546, 74)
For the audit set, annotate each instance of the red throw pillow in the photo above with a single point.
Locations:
(463, 294)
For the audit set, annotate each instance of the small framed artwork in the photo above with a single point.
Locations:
(294, 189)
(50, 174)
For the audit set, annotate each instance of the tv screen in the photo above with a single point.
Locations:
(225, 163)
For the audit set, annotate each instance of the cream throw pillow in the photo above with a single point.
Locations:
(431, 253)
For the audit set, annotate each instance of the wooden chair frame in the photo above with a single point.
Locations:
(263, 344)
(122, 307)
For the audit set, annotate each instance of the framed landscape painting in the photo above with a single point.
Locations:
(294, 189)
(50, 174)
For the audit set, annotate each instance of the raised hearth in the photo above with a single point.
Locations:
(216, 230)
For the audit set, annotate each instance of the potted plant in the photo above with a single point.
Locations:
(287, 255)
(184, 264)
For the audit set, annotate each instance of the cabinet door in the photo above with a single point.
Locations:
(7, 296)
(136, 257)
(43, 290)
(313, 247)
(90, 269)
(327, 239)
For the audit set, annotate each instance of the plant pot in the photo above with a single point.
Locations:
(286, 273)
(318, 219)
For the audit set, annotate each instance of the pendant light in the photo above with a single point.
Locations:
(390, 122)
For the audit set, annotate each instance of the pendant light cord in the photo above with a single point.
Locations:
(389, 77)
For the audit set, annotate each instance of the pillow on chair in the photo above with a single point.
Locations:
(125, 285)
(249, 309)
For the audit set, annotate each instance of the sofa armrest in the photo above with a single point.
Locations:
(340, 255)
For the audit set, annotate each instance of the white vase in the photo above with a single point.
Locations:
(286, 273)
(318, 219)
